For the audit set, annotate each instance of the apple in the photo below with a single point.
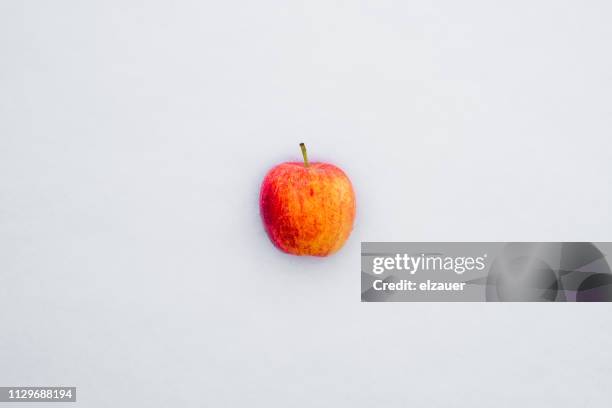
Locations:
(307, 208)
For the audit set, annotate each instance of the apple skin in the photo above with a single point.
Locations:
(307, 209)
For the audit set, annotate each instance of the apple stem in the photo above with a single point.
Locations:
(303, 147)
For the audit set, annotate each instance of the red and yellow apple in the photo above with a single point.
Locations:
(307, 208)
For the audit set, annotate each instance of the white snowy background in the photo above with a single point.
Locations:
(133, 139)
